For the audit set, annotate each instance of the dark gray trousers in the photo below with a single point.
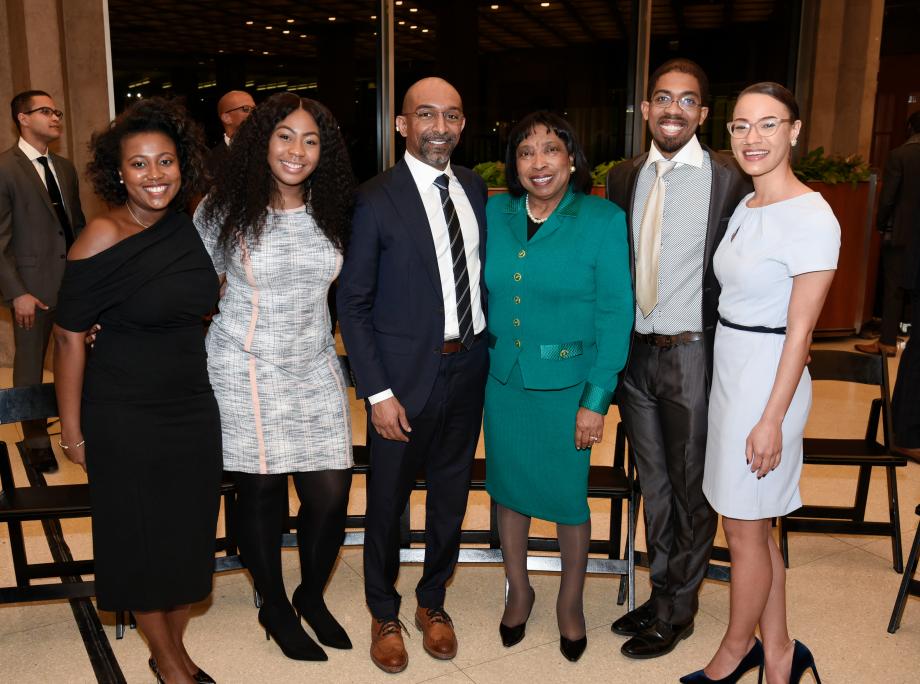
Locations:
(664, 404)
(28, 363)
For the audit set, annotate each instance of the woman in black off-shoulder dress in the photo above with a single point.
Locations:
(138, 411)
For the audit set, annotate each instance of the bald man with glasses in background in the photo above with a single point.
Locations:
(233, 109)
(40, 215)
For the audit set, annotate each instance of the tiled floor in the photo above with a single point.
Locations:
(841, 590)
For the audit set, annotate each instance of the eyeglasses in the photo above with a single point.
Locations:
(688, 102)
(247, 109)
(451, 116)
(46, 111)
(766, 126)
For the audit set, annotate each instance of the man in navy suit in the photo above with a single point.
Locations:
(411, 307)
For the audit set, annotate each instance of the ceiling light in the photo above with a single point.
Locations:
(495, 7)
(249, 23)
(285, 32)
(290, 21)
(544, 4)
(304, 35)
(413, 27)
(413, 9)
(399, 3)
(402, 23)
(269, 28)
(373, 16)
(265, 52)
(331, 18)
(424, 30)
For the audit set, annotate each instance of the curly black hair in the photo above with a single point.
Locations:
(245, 187)
(155, 114)
(581, 176)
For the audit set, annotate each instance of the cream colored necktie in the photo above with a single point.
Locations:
(650, 242)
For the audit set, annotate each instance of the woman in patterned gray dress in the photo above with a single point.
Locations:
(276, 224)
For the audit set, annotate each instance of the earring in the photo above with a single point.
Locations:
(121, 180)
(572, 168)
(794, 142)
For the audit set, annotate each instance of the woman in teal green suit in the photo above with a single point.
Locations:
(560, 316)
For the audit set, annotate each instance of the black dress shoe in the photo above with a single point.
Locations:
(42, 459)
(656, 640)
(513, 635)
(635, 620)
(572, 649)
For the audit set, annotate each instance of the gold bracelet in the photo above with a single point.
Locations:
(72, 446)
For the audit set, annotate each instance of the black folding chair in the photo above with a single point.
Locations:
(863, 453)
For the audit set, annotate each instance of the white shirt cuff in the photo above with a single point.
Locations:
(380, 396)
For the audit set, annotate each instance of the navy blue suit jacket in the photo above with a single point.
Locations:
(390, 305)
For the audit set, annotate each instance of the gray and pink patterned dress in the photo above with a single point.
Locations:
(271, 355)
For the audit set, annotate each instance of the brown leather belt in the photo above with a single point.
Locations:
(668, 341)
(454, 346)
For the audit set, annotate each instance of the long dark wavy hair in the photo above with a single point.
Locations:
(245, 188)
(153, 115)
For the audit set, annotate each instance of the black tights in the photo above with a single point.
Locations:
(261, 515)
(513, 528)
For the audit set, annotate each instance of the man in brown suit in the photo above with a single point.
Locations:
(40, 215)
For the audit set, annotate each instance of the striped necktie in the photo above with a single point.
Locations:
(458, 255)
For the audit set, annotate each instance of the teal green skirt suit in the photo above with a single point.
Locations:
(560, 317)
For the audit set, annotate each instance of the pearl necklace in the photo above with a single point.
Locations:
(134, 216)
(530, 215)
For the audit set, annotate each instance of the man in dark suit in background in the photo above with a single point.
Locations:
(40, 215)
(411, 307)
(684, 194)
(899, 205)
(233, 108)
(897, 217)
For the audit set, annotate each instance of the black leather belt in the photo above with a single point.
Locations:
(454, 346)
(752, 328)
(668, 341)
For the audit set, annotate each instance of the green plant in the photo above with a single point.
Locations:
(492, 172)
(816, 166)
(599, 174)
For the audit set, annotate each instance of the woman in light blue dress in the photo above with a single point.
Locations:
(775, 265)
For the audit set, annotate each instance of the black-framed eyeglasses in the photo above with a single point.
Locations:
(425, 115)
(46, 111)
(766, 126)
(246, 109)
(686, 102)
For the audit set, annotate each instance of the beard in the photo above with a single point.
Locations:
(672, 143)
(437, 154)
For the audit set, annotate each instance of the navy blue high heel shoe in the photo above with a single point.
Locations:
(754, 658)
(802, 660)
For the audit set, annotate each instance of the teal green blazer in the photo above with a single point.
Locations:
(560, 305)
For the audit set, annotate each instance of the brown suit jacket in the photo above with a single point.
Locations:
(729, 185)
(32, 246)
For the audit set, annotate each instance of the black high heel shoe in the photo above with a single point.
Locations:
(802, 660)
(285, 627)
(200, 677)
(572, 649)
(327, 628)
(754, 658)
(513, 635)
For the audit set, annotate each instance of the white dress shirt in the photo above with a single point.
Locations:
(424, 177)
(33, 156)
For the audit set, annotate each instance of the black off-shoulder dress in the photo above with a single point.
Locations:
(149, 417)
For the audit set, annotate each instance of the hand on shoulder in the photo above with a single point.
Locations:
(98, 235)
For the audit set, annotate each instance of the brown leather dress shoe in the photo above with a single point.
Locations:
(388, 652)
(438, 629)
(876, 347)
